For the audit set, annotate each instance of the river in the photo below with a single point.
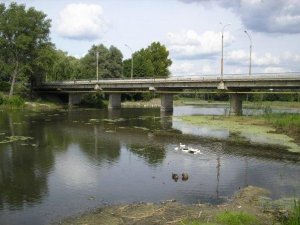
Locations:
(60, 163)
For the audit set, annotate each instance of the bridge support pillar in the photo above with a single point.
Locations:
(166, 103)
(74, 98)
(114, 101)
(236, 104)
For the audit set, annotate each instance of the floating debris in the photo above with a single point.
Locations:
(110, 131)
(94, 120)
(142, 128)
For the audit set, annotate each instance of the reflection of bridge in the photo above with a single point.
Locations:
(235, 85)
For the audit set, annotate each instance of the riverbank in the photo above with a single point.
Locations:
(248, 206)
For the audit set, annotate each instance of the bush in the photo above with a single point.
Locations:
(13, 101)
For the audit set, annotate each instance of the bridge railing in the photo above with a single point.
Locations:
(256, 76)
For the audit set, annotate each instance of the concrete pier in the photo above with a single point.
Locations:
(236, 104)
(114, 101)
(166, 103)
(74, 98)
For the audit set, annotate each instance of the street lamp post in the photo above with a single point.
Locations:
(131, 60)
(97, 66)
(250, 39)
(222, 59)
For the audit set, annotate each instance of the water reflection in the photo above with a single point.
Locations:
(153, 154)
(80, 159)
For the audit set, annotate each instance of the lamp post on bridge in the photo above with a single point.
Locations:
(250, 39)
(222, 58)
(131, 73)
(97, 62)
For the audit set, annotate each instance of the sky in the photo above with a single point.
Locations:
(190, 29)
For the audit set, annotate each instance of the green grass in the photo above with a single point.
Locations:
(12, 102)
(236, 218)
(195, 222)
(294, 218)
(284, 121)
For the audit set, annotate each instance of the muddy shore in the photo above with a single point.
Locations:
(250, 200)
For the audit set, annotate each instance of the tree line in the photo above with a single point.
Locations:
(27, 55)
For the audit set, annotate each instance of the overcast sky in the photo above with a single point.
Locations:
(190, 29)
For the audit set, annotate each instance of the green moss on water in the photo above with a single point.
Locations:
(254, 129)
(11, 139)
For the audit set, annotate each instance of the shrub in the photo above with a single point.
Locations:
(14, 101)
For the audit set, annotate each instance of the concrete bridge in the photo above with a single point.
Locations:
(235, 85)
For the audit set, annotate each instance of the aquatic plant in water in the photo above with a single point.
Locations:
(11, 139)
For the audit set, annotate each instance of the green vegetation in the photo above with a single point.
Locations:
(254, 128)
(227, 218)
(294, 217)
(24, 37)
(12, 102)
(195, 222)
(150, 62)
(236, 218)
(288, 122)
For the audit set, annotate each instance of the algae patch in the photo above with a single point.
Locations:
(11, 139)
(253, 130)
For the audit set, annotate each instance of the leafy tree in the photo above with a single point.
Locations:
(62, 67)
(110, 63)
(159, 58)
(23, 33)
(150, 62)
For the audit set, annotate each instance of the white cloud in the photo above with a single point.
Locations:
(288, 56)
(187, 68)
(191, 45)
(274, 70)
(240, 57)
(82, 22)
(266, 60)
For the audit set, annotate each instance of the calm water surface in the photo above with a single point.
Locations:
(78, 159)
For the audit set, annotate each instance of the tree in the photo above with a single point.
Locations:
(150, 62)
(110, 63)
(23, 33)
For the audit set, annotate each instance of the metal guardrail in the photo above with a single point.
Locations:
(226, 77)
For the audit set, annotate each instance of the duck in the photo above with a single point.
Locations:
(175, 176)
(181, 146)
(194, 151)
(184, 176)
